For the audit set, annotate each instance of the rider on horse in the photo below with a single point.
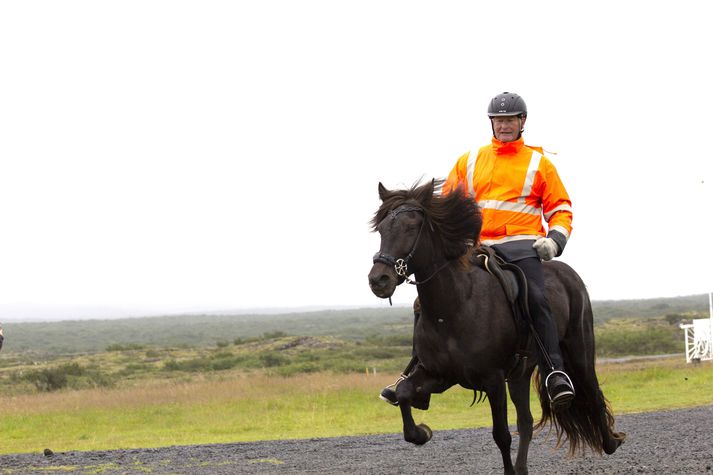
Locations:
(516, 186)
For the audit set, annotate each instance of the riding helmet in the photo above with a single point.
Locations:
(507, 104)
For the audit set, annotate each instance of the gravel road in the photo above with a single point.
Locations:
(670, 442)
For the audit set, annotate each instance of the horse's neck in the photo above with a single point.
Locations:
(452, 287)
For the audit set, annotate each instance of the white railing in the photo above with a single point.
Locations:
(699, 345)
(699, 336)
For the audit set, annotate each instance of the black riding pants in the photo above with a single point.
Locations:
(544, 322)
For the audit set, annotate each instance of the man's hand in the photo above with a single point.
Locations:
(546, 248)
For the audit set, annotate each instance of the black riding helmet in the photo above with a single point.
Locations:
(507, 103)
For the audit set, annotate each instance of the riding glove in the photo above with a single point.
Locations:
(546, 248)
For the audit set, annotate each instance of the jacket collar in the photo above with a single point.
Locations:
(508, 148)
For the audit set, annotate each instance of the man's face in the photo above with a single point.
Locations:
(507, 128)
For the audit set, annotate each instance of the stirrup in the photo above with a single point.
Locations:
(388, 394)
(562, 399)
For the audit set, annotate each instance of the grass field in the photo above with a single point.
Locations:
(234, 406)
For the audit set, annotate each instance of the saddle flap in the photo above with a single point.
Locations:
(491, 262)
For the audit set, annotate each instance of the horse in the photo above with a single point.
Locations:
(466, 333)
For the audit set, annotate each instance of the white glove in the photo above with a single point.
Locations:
(546, 248)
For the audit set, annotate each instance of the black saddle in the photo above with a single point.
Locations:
(509, 275)
(514, 284)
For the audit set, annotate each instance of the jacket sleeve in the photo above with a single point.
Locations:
(556, 205)
(457, 176)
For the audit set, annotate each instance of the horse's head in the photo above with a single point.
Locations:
(418, 229)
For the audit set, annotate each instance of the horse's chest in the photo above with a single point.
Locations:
(462, 349)
(440, 345)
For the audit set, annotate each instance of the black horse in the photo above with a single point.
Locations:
(466, 333)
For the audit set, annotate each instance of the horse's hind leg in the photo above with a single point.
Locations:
(501, 433)
(520, 396)
(610, 440)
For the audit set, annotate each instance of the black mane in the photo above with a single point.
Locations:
(454, 216)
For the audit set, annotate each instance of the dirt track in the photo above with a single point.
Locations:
(669, 442)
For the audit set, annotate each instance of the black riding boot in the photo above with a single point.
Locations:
(388, 394)
(558, 385)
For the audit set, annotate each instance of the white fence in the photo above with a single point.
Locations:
(699, 336)
(699, 340)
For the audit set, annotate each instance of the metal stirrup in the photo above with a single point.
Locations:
(547, 381)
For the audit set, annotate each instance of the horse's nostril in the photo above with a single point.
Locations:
(378, 281)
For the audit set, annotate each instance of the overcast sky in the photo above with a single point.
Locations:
(223, 155)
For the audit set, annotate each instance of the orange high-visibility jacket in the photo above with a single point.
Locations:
(515, 186)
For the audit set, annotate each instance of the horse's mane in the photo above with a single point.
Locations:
(454, 216)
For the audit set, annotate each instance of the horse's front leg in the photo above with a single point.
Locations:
(415, 391)
(520, 396)
(416, 434)
(501, 433)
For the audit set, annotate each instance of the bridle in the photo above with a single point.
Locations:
(400, 265)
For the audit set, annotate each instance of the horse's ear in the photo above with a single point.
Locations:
(425, 193)
(383, 192)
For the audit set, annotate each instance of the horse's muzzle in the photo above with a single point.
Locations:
(383, 280)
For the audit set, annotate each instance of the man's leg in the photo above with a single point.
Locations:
(388, 394)
(558, 384)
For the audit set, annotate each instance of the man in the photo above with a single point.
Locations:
(1, 337)
(516, 186)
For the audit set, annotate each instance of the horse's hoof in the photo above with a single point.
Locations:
(615, 440)
(426, 432)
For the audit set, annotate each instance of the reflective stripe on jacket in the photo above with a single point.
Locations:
(515, 186)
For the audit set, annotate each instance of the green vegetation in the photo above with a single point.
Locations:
(70, 375)
(624, 337)
(272, 353)
(82, 336)
(91, 336)
(646, 308)
(197, 379)
(240, 407)
(276, 353)
(383, 348)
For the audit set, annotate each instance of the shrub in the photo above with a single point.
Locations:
(645, 341)
(391, 340)
(377, 353)
(126, 347)
(67, 375)
(674, 318)
(300, 368)
(273, 335)
(273, 359)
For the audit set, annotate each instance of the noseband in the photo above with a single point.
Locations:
(400, 265)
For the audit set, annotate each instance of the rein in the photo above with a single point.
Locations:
(400, 265)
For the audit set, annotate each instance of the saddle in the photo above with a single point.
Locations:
(514, 284)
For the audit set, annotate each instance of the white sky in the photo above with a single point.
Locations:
(208, 154)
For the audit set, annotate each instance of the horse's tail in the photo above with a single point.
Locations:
(589, 420)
